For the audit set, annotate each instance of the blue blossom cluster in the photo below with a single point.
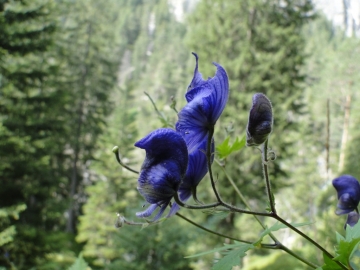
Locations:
(348, 193)
(176, 160)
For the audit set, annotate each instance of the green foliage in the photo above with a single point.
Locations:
(348, 245)
(274, 260)
(277, 226)
(224, 149)
(79, 264)
(232, 257)
(7, 233)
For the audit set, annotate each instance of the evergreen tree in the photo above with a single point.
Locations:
(89, 66)
(30, 123)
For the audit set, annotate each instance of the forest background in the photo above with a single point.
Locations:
(72, 81)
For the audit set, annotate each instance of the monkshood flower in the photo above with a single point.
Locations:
(206, 101)
(260, 120)
(348, 191)
(163, 169)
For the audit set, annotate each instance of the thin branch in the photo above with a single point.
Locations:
(211, 231)
(205, 206)
(221, 202)
(208, 156)
(117, 155)
(161, 116)
(264, 151)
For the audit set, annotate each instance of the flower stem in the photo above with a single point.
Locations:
(210, 231)
(161, 116)
(205, 206)
(117, 155)
(267, 246)
(208, 156)
(289, 251)
(221, 202)
(264, 151)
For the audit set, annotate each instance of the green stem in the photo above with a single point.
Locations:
(264, 149)
(117, 155)
(267, 246)
(210, 231)
(208, 156)
(205, 206)
(221, 202)
(289, 251)
(240, 194)
(161, 116)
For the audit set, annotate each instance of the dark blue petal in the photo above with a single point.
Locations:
(148, 211)
(210, 96)
(163, 168)
(197, 79)
(206, 102)
(158, 183)
(352, 218)
(173, 210)
(164, 144)
(348, 191)
(260, 120)
(191, 126)
(197, 167)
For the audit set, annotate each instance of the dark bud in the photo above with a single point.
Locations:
(260, 120)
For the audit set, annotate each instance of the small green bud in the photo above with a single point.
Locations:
(115, 149)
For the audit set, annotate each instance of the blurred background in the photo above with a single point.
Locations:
(72, 80)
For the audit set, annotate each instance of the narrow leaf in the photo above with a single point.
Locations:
(232, 258)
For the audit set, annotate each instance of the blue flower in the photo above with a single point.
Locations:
(206, 101)
(163, 169)
(260, 120)
(348, 191)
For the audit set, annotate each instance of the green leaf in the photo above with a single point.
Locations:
(79, 264)
(225, 247)
(345, 250)
(212, 251)
(278, 226)
(348, 246)
(353, 232)
(232, 257)
(339, 237)
(329, 264)
(226, 148)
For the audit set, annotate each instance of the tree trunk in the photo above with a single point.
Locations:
(345, 134)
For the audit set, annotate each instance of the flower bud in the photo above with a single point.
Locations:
(260, 120)
(348, 193)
